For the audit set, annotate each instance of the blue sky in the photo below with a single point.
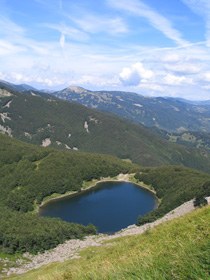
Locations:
(153, 47)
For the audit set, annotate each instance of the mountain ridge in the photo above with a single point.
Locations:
(166, 113)
(45, 120)
(170, 114)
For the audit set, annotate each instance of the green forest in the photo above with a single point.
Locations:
(29, 173)
(36, 118)
(173, 185)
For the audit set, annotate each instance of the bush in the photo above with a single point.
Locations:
(200, 201)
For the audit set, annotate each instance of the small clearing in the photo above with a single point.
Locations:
(92, 119)
(33, 94)
(6, 130)
(8, 104)
(28, 135)
(67, 147)
(46, 142)
(4, 116)
(5, 93)
(86, 127)
(138, 105)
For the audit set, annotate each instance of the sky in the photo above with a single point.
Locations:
(152, 47)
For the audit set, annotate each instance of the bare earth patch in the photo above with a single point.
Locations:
(46, 142)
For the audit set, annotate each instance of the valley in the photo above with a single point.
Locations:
(105, 140)
(51, 148)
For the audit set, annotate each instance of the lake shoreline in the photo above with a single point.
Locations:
(129, 178)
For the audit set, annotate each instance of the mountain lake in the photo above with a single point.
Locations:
(110, 206)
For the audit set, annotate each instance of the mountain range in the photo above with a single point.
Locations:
(43, 119)
(171, 114)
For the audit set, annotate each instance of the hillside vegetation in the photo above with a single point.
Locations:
(174, 185)
(178, 249)
(29, 173)
(171, 114)
(191, 139)
(45, 120)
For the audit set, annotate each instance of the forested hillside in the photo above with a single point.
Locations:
(29, 173)
(171, 114)
(174, 185)
(50, 122)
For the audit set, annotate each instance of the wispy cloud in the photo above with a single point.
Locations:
(7, 48)
(202, 8)
(61, 5)
(184, 68)
(66, 30)
(159, 22)
(95, 24)
(10, 29)
(62, 40)
(174, 80)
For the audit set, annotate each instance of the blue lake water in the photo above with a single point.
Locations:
(110, 206)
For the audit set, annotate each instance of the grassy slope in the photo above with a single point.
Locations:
(178, 249)
(41, 118)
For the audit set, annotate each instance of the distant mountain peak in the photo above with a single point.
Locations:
(20, 87)
(76, 89)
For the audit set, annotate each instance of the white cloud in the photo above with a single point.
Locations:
(10, 28)
(132, 76)
(96, 81)
(3, 76)
(152, 87)
(206, 87)
(171, 57)
(7, 48)
(206, 76)
(176, 80)
(41, 80)
(184, 68)
(158, 21)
